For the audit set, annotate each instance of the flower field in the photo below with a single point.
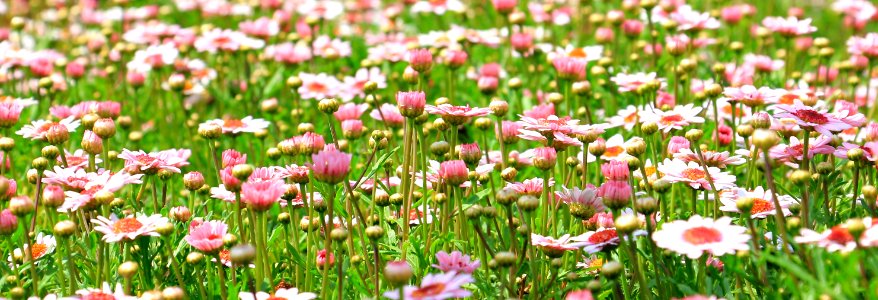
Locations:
(438, 149)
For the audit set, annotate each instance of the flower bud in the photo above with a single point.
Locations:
(398, 273)
(104, 128)
(128, 269)
(242, 254)
(765, 139)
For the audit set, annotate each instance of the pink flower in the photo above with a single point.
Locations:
(128, 228)
(235, 126)
(207, 237)
(694, 175)
(632, 27)
(436, 287)
(260, 196)
(504, 6)
(615, 192)
(457, 115)
(630, 82)
(420, 59)
(569, 68)
(411, 104)
(689, 19)
(789, 27)
(150, 163)
(587, 198)
(289, 53)
(794, 152)
(615, 170)
(350, 111)
(807, 117)
(455, 262)
(676, 144)
(319, 86)
(554, 247)
(763, 63)
(751, 96)
(533, 186)
(521, 42)
(38, 130)
(231, 158)
(389, 114)
(866, 46)
(453, 172)
(330, 165)
(8, 222)
(262, 27)
(544, 158)
(10, 112)
(323, 257)
(579, 295)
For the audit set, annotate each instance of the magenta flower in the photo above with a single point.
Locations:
(807, 117)
(330, 165)
(455, 262)
(457, 115)
(207, 237)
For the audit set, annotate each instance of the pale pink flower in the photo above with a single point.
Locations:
(689, 19)
(455, 262)
(37, 130)
(763, 205)
(324, 46)
(389, 114)
(128, 228)
(261, 195)
(694, 175)
(318, 86)
(789, 26)
(677, 118)
(169, 160)
(808, 117)
(436, 287)
(630, 82)
(698, 235)
(235, 126)
(207, 237)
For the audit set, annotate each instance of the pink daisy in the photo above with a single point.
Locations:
(698, 235)
(128, 228)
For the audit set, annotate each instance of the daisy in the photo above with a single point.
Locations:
(790, 26)
(837, 238)
(106, 292)
(555, 247)
(96, 183)
(581, 202)
(693, 175)
(288, 294)
(150, 163)
(699, 235)
(866, 45)
(711, 158)
(226, 40)
(751, 96)
(128, 228)
(289, 53)
(533, 186)
(38, 129)
(630, 82)
(456, 115)
(436, 287)
(77, 159)
(43, 245)
(677, 118)
(323, 9)
(763, 63)
(585, 54)
(870, 150)
(808, 117)
(236, 126)
(354, 85)
(455, 262)
(763, 205)
(689, 19)
(793, 152)
(324, 46)
(597, 241)
(627, 117)
(318, 86)
(389, 114)
(438, 7)
(69, 178)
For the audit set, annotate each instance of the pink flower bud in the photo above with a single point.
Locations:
(615, 170)
(420, 59)
(8, 222)
(453, 172)
(676, 144)
(411, 104)
(544, 158)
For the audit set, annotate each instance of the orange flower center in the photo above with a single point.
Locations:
(233, 123)
(317, 87)
(225, 255)
(127, 225)
(38, 250)
(760, 205)
(840, 235)
(577, 52)
(602, 236)
(671, 119)
(275, 298)
(702, 235)
(613, 151)
(694, 174)
(429, 290)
